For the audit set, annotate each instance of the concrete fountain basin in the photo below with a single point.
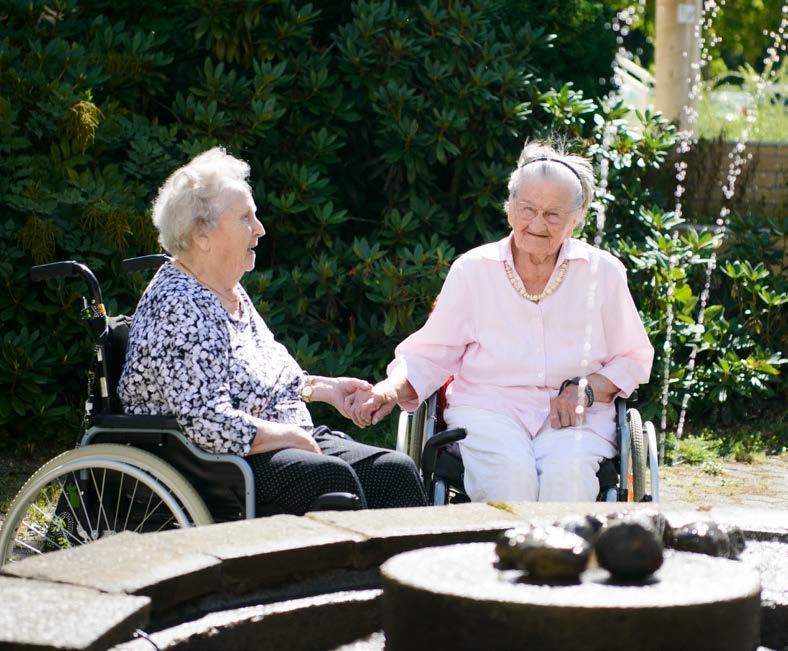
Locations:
(455, 597)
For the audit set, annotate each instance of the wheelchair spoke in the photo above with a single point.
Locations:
(91, 533)
(131, 505)
(117, 506)
(166, 522)
(100, 497)
(60, 528)
(50, 505)
(30, 547)
(71, 507)
(34, 527)
(148, 513)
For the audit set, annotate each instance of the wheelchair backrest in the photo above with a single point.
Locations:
(115, 345)
(116, 341)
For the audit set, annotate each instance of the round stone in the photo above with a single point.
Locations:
(506, 545)
(702, 537)
(629, 549)
(549, 553)
(454, 597)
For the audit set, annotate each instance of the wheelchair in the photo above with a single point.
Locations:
(127, 473)
(423, 436)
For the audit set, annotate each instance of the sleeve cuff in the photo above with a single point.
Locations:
(621, 378)
(418, 381)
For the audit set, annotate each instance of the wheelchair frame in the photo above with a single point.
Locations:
(417, 437)
(107, 421)
(172, 474)
(137, 425)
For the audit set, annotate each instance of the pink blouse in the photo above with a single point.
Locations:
(510, 355)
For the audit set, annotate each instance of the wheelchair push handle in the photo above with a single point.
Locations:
(65, 269)
(143, 262)
(55, 270)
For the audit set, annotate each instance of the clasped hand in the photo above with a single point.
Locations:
(369, 406)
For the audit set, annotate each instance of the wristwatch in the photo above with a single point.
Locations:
(588, 390)
(307, 390)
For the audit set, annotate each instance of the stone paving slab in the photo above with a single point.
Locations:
(44, 615)
(266, 551)
(391, 531)
(128, 563)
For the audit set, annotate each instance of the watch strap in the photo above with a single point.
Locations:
(589, 392)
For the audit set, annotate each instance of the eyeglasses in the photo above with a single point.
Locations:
(527, 213)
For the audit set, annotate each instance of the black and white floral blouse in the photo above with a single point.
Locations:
(188, 357)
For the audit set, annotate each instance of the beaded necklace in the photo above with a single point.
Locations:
(535, 298)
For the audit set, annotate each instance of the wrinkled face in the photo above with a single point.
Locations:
(542, 215)
(231, 242)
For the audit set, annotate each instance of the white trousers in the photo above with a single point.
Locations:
(503, 463)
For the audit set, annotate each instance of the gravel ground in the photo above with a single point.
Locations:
(762, 483)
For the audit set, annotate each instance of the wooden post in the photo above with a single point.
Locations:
(676, 50)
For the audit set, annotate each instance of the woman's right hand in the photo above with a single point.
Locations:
(370, 407)
(278, 436)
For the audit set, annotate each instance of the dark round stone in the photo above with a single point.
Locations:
(735, 538)
(629, 549)
(702, 537)
(550, 553)
(507, 543)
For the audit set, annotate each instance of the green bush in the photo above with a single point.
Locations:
(380, 137)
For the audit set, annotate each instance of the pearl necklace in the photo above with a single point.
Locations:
(535, 298)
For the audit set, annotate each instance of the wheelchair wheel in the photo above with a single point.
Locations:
(638, 453)
(93, 492)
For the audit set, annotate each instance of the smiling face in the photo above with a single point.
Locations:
(230, 243)
(542, 214)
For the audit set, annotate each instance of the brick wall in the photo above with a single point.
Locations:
(760, 189)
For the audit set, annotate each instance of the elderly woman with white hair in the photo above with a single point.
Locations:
(199, 350)
(540, 333)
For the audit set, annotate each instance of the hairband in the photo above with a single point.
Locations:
(560, 162)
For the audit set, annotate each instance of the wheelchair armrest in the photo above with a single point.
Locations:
(143, 422)
(430, 453)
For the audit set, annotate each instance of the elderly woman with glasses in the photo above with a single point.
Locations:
(540, 333)
(199, 350)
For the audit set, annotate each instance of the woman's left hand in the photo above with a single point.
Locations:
(563, 408)
(338, 389)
